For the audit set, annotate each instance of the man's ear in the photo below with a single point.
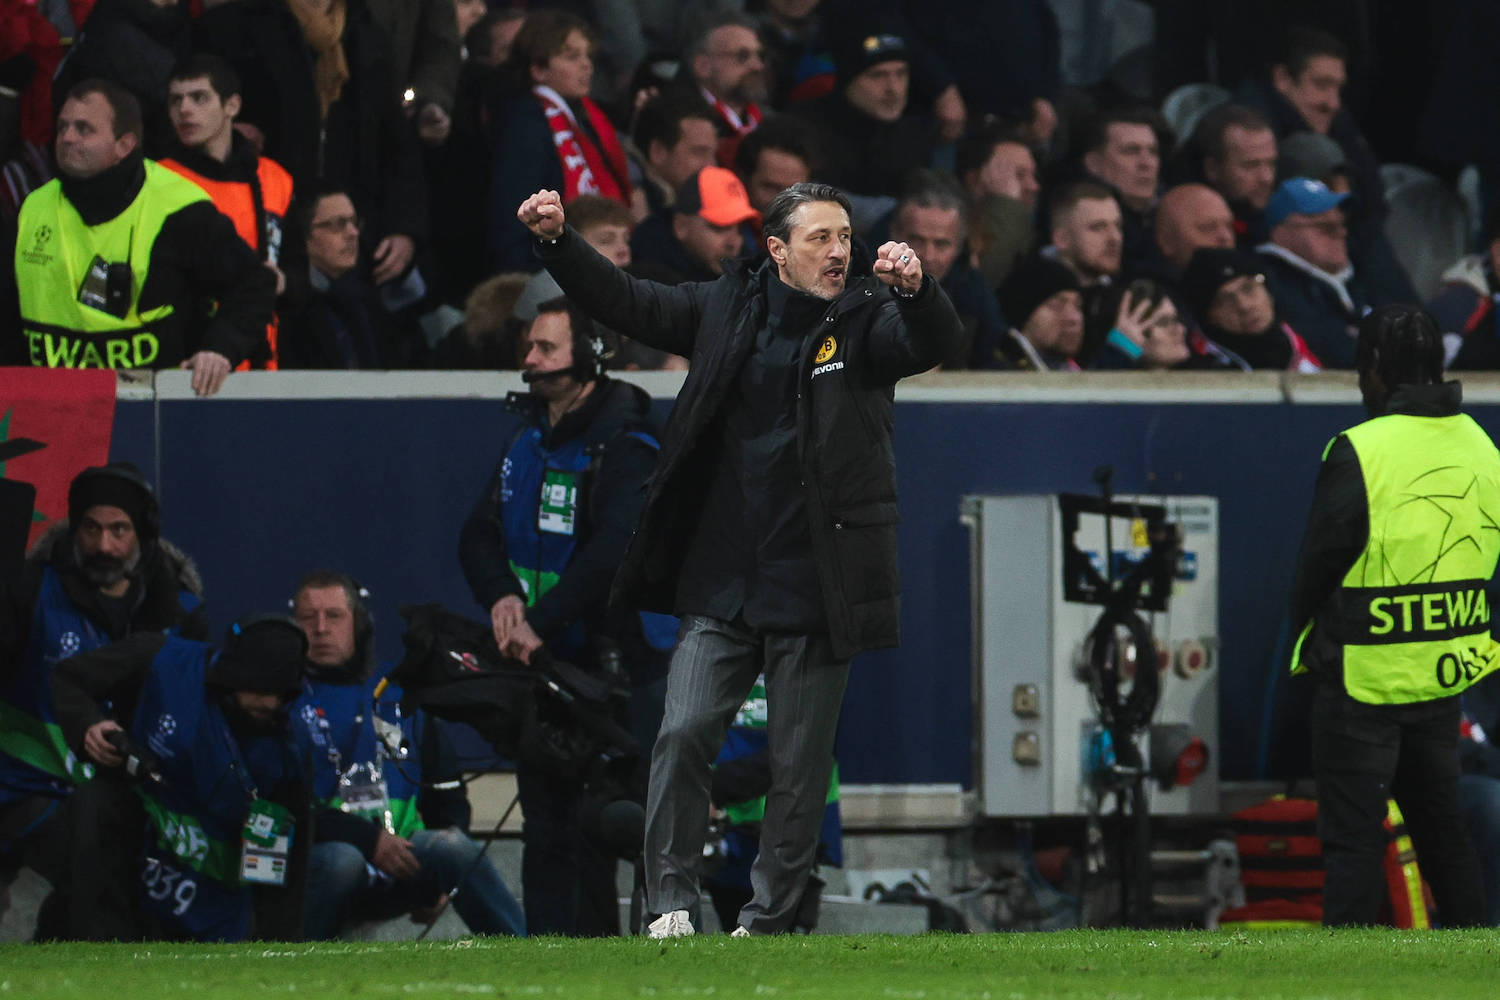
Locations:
(1093, 162)
(125, 144)
(232, 105)
(1282, 79)
(776, 247)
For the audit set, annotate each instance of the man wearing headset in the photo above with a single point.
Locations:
(373, 857)
(539, 552)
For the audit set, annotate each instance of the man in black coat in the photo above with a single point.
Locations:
(770, 522)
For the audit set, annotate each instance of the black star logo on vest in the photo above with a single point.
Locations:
(1450, 496)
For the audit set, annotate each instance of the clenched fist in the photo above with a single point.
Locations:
(897, 265)
(542, 213)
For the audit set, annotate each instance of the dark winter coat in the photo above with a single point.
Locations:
(867, 341)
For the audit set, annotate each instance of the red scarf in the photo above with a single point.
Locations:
(737, 125)
(586, 168)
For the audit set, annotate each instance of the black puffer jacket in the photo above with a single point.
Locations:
(866, 342)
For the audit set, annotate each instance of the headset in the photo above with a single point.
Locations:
(590, 350)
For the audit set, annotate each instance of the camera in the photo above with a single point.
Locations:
(140, 763)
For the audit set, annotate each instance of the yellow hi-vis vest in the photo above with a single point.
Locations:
(56, 252)
(1412, 615)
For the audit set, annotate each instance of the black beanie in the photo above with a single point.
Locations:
(1210, 270)
(119, 484)
(855, 51)
(266, 655)
(1034, 280)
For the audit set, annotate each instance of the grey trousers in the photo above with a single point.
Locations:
(713, 668)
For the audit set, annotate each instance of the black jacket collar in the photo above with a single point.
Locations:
(108, 193)
(240, 166)
(1441, 400)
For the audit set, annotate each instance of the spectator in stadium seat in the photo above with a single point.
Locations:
(1231, 300)
(203, 98)
(1043, 301)
(117, 255)
(1148, 333)
(796, 51)
(426, 50)
(1307, 264)
(332, 315)
(1465, 308)
(485, 340)
(1236, 153)
(1122, 149)
(869, 132)
(1189, 218)
(1088, 239)
(201, 714)
(101, 575)
(134, 43)
(319, 84)
(545, 132)
(727, 63)
(675, 136)
(999, 173)
(367, 788)
(706, 226)
(932, 219)
(1302, 90)
(783, 151)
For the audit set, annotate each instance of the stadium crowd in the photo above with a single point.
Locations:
(370, 155)
(223, 185)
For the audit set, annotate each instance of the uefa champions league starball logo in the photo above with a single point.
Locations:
(70, 644)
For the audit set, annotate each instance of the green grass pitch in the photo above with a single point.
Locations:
(1410, 965)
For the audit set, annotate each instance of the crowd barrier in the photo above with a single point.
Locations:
(373, 473)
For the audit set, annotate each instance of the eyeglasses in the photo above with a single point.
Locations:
(338, 223)
(741, 56)
(1328, 227)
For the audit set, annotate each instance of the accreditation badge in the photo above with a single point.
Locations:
(557, 513)
(267, 843)
(363, 792)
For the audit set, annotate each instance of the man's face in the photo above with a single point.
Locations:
(1129, 161)
(1190, 219)
(333, 236)
(775, 171)
(1010, 171)
(197, 114)
(569, 71)
(86, 143)
(549, 348)
(324, 615)
(1322, 240)
(1056, 325)
(732, 65)
(705, 242)
(107, 546)
(1316, 93)
(815, 256)
(695, 150)
(1091, 238)
(1248, 171)
(1242, 305)
(881, 90)
(263, 710)
(933, 233)
(611, 240)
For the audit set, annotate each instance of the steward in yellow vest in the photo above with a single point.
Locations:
(112, 257)
(1393, 618)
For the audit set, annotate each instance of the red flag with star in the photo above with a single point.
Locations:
(72, 413)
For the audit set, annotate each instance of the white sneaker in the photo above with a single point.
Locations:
(671, 925)
(740, 932)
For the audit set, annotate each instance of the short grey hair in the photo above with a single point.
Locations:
(935, 189)
(778, 218)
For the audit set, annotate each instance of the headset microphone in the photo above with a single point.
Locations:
(580, 371)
